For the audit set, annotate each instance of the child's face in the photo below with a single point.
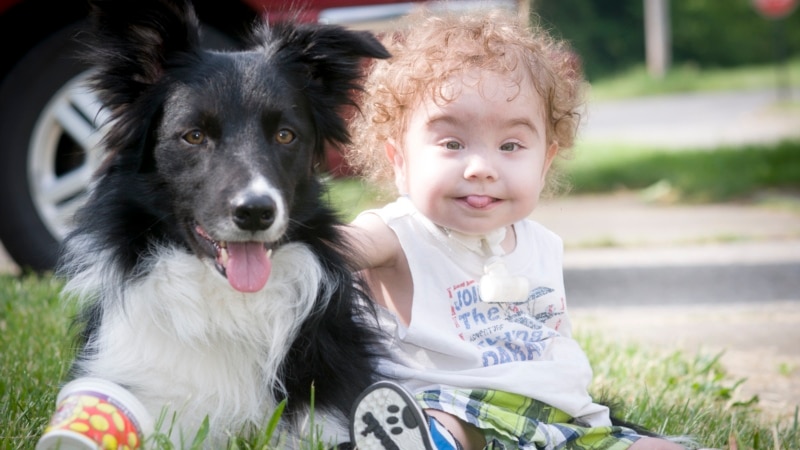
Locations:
(477, 163)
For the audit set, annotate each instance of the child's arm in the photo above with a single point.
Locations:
(384, 264)
(375, 243)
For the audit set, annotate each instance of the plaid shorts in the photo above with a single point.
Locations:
(511, 421)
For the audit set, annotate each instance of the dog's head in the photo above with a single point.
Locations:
(228, 141)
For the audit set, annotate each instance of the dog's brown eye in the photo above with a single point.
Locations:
(284, 136)
(195, 137)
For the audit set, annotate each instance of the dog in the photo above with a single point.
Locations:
(212, 279)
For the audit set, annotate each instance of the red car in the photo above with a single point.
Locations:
(49, 124)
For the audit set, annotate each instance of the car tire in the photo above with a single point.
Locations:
(50, 146)
(25, 92)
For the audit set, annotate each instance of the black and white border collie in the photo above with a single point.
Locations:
(212, 279)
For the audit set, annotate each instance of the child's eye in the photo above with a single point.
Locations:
(452, 145)
(509, 147)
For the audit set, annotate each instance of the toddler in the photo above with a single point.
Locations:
(466, 118)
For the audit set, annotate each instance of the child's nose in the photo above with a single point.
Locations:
(480, 167)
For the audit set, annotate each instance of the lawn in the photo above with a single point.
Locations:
(690, 78)
(725, 174)
(672, 393)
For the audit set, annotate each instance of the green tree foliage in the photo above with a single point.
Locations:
(609, 34)
(730, 33)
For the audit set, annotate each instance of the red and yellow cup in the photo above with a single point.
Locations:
(96, 414)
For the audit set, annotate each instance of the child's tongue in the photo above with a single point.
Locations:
(478, 201)
(248, 266)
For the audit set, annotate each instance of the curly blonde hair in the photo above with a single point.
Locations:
(438, 47)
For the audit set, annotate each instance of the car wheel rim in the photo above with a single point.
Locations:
(64, 154)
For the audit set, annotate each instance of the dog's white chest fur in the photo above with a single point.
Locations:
(184, 340)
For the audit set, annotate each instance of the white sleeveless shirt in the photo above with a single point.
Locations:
(457, 340)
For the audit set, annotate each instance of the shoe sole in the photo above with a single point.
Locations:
(386, 417)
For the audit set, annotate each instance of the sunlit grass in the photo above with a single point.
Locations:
(679, 394)
(351, 196)
(34, 356)
(636, 82)
(717, 175)
(673, 393)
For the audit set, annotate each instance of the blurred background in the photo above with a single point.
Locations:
(664, 74)
(614, 37)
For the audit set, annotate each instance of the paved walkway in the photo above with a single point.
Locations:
(697, 120)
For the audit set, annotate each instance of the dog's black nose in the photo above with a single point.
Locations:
(254, 213)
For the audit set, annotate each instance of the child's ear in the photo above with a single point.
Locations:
(398, 165)
(391, 152)
(549, 157)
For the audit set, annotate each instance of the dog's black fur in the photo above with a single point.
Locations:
(207, 149)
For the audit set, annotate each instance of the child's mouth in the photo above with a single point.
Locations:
(478, 201)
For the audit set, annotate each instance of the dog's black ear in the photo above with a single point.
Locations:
(130, 40)
(332, 57)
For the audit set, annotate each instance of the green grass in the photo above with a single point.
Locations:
(673, 393)
(636, 82)
(351, 196)
(34, 356)
(724, 174)
(680, 394)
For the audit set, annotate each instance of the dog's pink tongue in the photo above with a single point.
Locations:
(248, 266)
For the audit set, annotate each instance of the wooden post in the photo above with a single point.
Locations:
(657, 37)
(524, 10)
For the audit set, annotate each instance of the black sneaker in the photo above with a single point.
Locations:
(386, 417)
